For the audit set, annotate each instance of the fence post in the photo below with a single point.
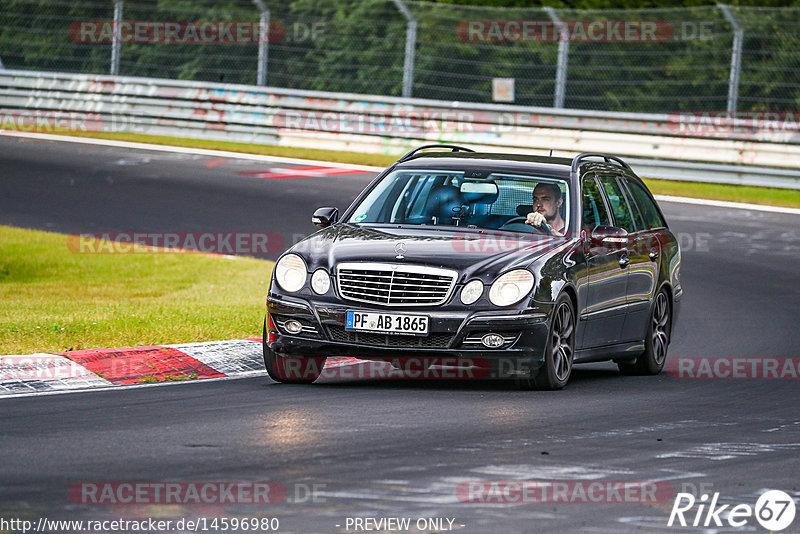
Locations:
(736, 58)
(411, 45)
(563, 56)
(116, 43)
(263, 43)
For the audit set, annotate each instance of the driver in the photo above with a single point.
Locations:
(546, 213)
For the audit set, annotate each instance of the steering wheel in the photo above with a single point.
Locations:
(530, 227)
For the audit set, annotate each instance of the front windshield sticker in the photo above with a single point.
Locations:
(360, 218)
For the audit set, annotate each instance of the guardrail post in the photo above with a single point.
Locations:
(263, 43)
(563, 56)
(411, 45)
(736, 58)
(116, 43)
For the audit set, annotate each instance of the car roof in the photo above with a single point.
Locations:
(522, 163)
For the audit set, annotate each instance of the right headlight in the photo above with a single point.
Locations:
(291, 272)
(511, 287)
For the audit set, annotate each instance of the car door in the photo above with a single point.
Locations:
(645, 257)
(604, 314)
(635, 258)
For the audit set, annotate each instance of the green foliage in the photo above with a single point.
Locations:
(358, 46)
(55, 299)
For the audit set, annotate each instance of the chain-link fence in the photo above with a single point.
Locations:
(649, 60)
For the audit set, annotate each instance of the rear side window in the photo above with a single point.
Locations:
(648, 208)
(619, 205)
(594, 209)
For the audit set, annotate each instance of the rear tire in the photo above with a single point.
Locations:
(289, 369)
(559, 352)
(656, 341)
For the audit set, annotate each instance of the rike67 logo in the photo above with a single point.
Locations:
(774, 510)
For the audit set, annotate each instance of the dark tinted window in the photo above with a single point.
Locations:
(637, 215)
(594, 210)
(434, 197)
(648, 208)
(619, 205)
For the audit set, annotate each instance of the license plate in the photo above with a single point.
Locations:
(387, 323)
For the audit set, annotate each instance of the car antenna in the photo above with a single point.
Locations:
(551, 152)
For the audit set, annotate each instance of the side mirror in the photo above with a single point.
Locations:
(325, 217)
(608, 236)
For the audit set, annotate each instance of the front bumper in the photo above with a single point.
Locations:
(452, 334)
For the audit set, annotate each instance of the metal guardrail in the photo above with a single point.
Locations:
(657, 146)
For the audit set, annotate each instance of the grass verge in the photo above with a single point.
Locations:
(732, 193)
(57, 300)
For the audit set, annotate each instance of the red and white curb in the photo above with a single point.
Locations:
(105, 368)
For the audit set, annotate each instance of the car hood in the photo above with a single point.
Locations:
(473, 253)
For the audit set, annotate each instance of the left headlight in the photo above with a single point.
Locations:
(511, 287)
(291, 272)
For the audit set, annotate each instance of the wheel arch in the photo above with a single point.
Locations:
(666, 286)
(572, 293)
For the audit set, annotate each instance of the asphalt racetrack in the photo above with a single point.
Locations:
(350, 448)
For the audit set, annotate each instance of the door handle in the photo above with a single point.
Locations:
(653, 255)
(624, 261)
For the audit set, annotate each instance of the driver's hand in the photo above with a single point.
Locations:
(535, 219)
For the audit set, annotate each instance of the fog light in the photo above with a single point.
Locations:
(292, 326)
(320, 282)
(472, 292)
(492, 341)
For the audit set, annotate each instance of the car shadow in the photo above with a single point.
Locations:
(581, 377)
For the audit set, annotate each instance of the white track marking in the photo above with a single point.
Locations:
(726, 204)
(369, 168)
(184, 150)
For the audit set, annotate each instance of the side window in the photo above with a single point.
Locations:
(594, 209)
(652, 216)
(619, 205)
(637, 215)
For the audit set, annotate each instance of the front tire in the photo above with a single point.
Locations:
(288, 369)
(656, 342)
(559, 352)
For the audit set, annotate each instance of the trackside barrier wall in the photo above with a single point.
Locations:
(657, 146)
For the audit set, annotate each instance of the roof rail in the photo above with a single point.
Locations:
(576, 161)
(454, 148)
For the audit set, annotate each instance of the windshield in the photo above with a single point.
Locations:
(471, 198)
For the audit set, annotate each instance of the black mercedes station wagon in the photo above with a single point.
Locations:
(515, 265)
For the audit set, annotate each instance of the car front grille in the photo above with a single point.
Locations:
(433, 341)
(395, 285)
